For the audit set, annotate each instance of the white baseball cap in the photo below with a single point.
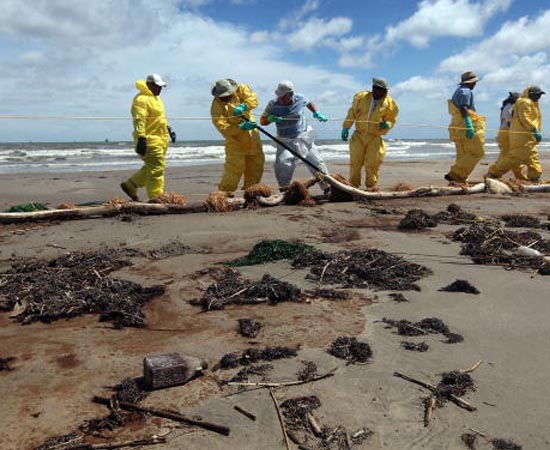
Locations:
(284, 88)
(155, 78)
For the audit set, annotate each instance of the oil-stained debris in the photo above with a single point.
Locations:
(231, 288)
(350, 349)
(253, 355)
(73, 284)
(249, 328)
(460, 286)
(243, 375)
(417, 219)
(331, 294)
(364, 268)
(416, 347)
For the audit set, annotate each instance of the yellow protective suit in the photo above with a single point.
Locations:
(468, 151)
(243, 149)
(367, 148)
(503, 140)
(150, 122)
(523, 145)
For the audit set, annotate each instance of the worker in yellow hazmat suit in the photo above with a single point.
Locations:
(151, 133)
(503, 136)
(525, 134)
(374, 114)
(244, 155)
(466, 130)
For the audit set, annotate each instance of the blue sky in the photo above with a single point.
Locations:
(76, 58)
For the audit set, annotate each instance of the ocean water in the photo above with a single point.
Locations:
(105, 156)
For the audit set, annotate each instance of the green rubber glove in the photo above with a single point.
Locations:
(469, 127)
(320, 116)
(384, 125)
(537, 134)
(141, 146)
(240, 109)
(345, 134)
(271, 118)
(248, 125)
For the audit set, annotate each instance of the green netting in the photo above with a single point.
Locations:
(271, 250)
(27, 207)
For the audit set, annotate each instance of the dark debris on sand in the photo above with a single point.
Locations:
(59, 441)
(505, 444)
(231, 288)
(331, 294)
(460, 286)
(5, 363)
(454, 215)
(417, 219)
(398, 297)
(487, 243)
(469, 440)
(363, 268)
(416, 347)
(249, 328)
(350, 349)
(253, 355)
(429, 325)
(308, 372)
(520, 221)
(298, 415)
(73, 284)
(243, 375)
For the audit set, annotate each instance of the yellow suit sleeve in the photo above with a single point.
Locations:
(139, 116)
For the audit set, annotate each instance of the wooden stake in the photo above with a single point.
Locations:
(245, 412)
(269, 384)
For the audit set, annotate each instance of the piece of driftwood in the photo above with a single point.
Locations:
(280, 416)
(270, 384)
(87, 212)
(113, 445)
(456, 400)
(244, 412)
(221, 429)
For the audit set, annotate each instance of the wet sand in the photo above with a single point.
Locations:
(60, 366)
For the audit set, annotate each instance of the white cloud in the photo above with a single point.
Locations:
(294, 17)
(437, 18)
(315, 31)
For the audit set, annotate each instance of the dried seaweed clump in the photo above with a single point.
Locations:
(66, 205)
(174, 248)
(336, 195)
(520, 221)
(271, 250)
(75, 284)
(416, 347)
(308, 372)
(5, 363)
(417, 219)
(170, 198)
(331, 294)
(131, 390)
(349, 348)
(295, 411)
(470, 440)
(233, 289)
(398, 297)
(454, 215)
(455, 383)
(460, 286)
(297, 194)
(253, 355)
(249, 328)
(423, 327)
(218, 202)
(505, 444)
(243, 375)
(365, 268)
(251, 193)
(488, 243)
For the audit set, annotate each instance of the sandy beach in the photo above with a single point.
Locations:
(60, 366)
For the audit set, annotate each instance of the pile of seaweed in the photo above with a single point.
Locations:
(488, 243)
(129, 390)
(461, 286)
(231, 288)
(253, 355)
(429, 325)
(249, 328)
(524, 221)
(350, 349)
(304, 429)
(331, 294)
(243, 375)
(73, 284)
(362, 268)
(5, 363)
(470, 441)
(270, 250)
(415, 347)
(417, 219)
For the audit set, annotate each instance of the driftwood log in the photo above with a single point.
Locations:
(490, 186)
